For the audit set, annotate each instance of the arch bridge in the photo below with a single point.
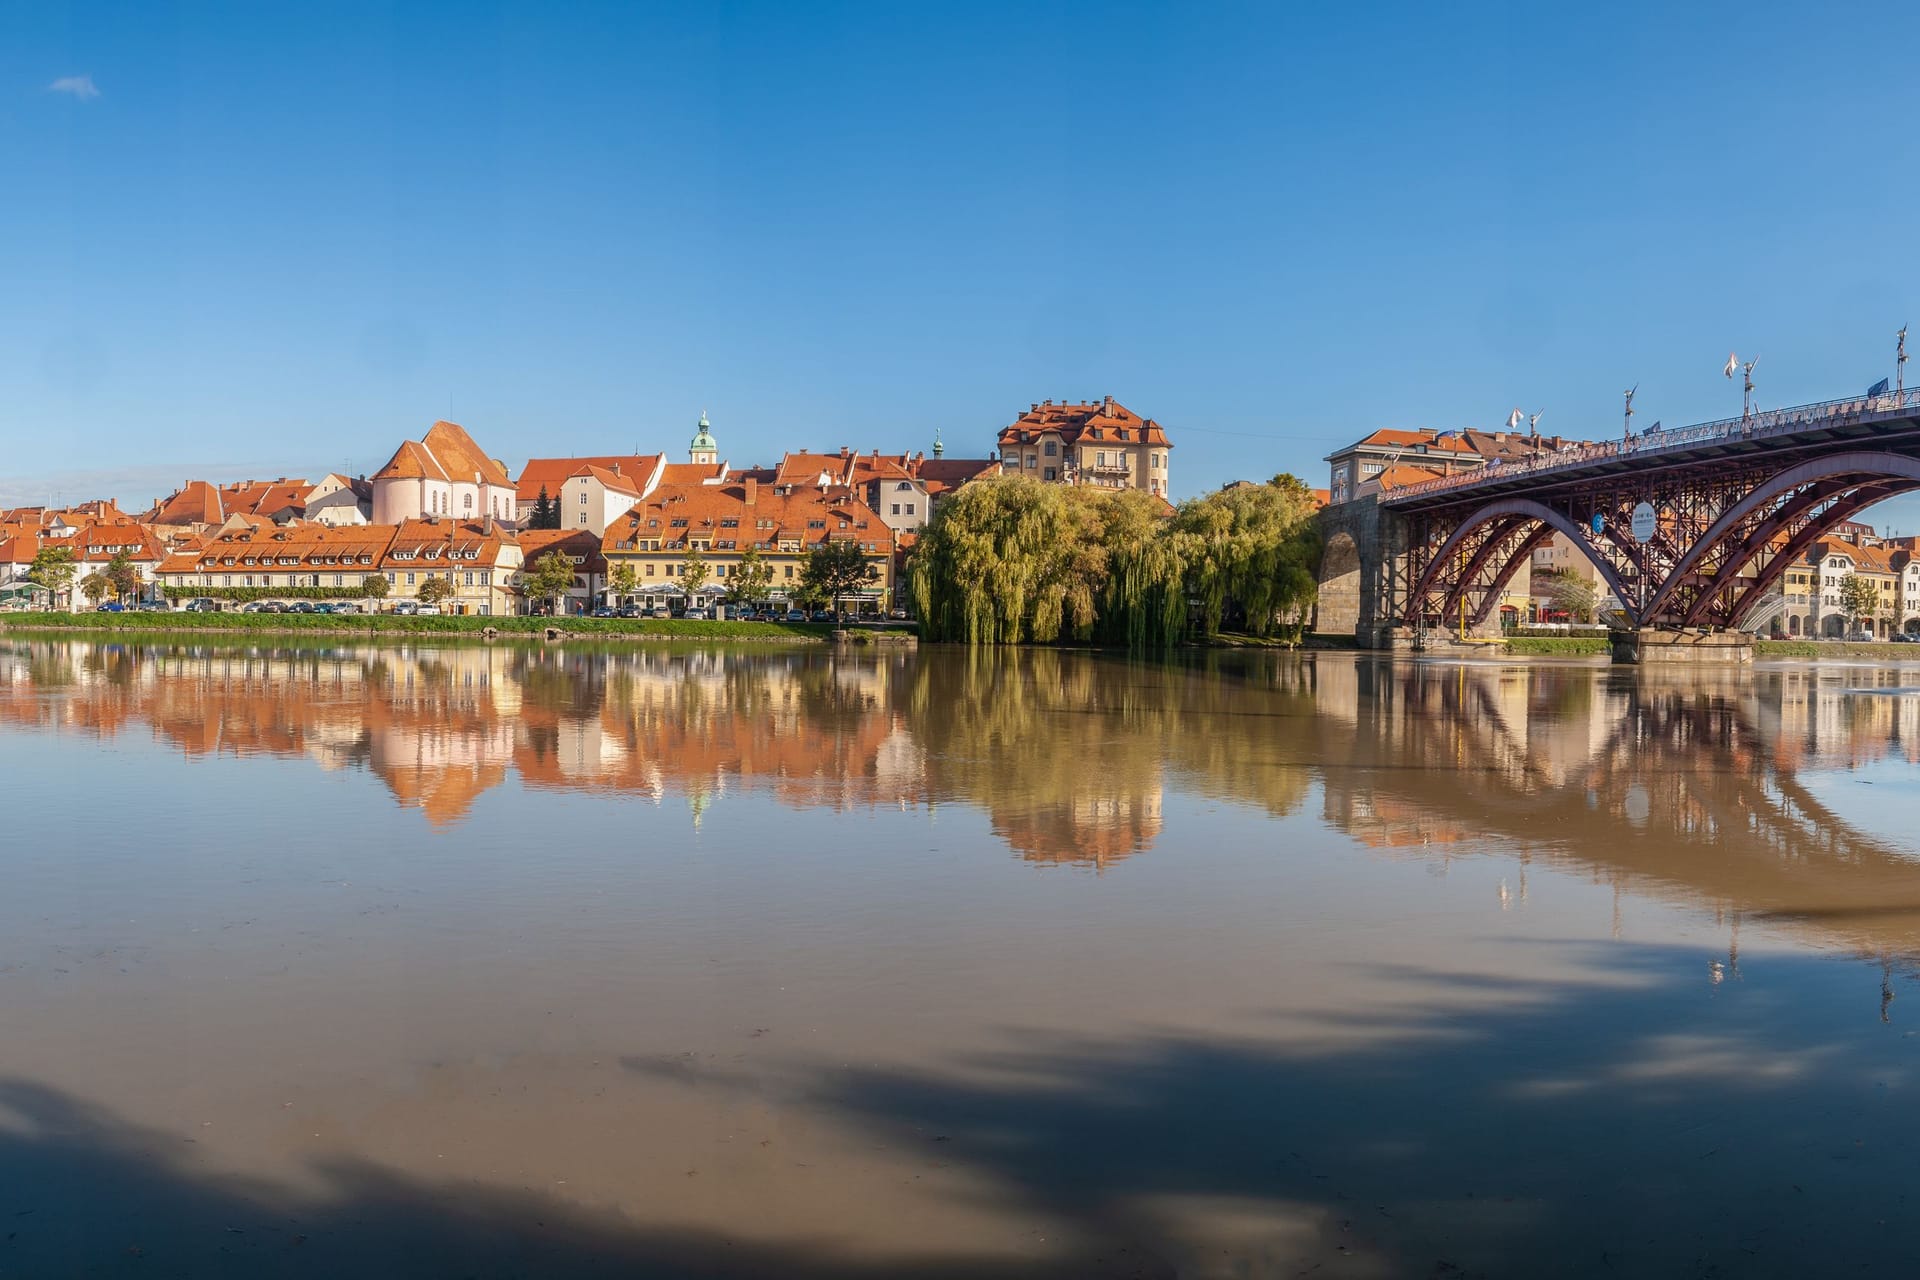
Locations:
(1735, 503)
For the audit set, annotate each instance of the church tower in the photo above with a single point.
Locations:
(703, 449)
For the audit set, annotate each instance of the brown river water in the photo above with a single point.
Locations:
(741, 961)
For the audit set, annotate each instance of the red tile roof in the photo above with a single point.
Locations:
(672, 513)
(446, 452)
(553, 472)
(1105, 420)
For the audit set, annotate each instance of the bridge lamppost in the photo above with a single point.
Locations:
(1626, 428)
(1900, 362)
(1746, 395)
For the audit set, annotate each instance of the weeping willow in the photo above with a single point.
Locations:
(1012, 560)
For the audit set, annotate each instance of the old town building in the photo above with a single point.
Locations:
(1099, 442)
(720, 522)
(443, 474)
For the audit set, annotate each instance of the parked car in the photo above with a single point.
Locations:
(630, 611)
(898, 615)
(201, 604)
(604, 612)
(1859, 636)
(822, 615)
(427, 610)
(794, 615)
(407, 607)
(154, 606)
(660, 611)
(273, 606)
(695, 615)
(255, 606)
(1905, 637)
(301, 606)
(111, 606)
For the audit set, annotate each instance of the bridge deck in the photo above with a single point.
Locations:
(1777, 437)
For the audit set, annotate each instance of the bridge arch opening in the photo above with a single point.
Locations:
(1339, 608)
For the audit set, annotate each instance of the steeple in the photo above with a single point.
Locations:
(938, 448)
(703, 448)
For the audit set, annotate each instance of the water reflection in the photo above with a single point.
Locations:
(1713, 788)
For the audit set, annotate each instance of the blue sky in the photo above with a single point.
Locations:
(245, 238)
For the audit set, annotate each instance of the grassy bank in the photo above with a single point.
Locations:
(1836, 649)
(1560, 646)
(401, 625)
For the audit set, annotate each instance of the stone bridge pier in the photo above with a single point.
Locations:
(1363, 570)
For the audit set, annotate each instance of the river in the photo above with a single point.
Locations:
(348, 960)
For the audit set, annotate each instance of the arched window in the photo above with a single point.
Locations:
(469, 503)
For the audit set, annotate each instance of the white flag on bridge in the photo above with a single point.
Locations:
(1733, 362)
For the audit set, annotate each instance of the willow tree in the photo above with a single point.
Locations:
(1012, 559)
(1249, 553)
(991, 567)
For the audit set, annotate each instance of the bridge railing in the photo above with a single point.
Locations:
(1760, 425)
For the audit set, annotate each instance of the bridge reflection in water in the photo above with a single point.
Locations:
(1716, 792)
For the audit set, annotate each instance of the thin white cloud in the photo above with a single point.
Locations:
(81, 87)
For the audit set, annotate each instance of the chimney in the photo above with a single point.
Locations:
(486, 524)
(616, 468)
(752, 490)
(844, 451)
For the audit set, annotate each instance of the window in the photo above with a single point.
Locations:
(583, 497)
(909, 508)
(339, 579)
(469, 502)
(789, 571)
(896, 508)
(409, 579)
(1032, 461)
(1052, 449)
(1051, 475)
(469, 577)
(583, 518)
(1155, 460)
(649, 571)
(1100, 459)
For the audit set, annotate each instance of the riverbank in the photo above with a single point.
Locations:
(387, 624)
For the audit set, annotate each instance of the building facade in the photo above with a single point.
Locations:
(444, 475)
(1099, 443)
(718, 523)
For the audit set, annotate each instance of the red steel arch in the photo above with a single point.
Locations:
(1853, 481)
(1504, 509)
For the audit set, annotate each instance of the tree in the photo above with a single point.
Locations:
(545, 513)
(1250, 553)
(374, 586)
(123, 575)
(622, 581)
(836, 569)
(95, 585)
(53, 567)
(693, 573)
(550, 579)
(752, 580)
(1860, 597)
(435, 589)
(1573, 594)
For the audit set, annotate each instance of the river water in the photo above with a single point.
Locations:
(512, 961)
